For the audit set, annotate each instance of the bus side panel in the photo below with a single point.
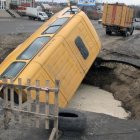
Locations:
(35, 71)
(61, 65)
(92, 46)
(89, 38)
(89, 41)
(71, 42)
(92, 31)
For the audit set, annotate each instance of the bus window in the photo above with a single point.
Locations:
(13, 70)
(33, 48)
(55, 26)
(52, 29)
(81, 47)
(60, 21)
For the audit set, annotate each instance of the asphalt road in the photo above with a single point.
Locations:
(16, 26)
(98, 127)
(24, 25)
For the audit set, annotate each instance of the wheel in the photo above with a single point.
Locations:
(39, 19)
(71, 120)
(125, 33)
(108, 32)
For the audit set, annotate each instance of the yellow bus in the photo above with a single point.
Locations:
(63, 48)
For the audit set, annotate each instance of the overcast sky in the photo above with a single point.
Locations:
(134, 2)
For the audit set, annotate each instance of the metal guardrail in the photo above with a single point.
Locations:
(9, 105)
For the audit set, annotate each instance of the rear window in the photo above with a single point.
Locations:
(56, 26)
(13, 70)
(33, 48)
(81, 47)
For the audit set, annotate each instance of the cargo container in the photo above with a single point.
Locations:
(64, 48)
(118, 18)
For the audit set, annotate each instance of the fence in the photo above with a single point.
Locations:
(8, 88)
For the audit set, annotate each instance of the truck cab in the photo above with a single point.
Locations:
(42, 16)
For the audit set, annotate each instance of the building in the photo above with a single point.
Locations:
(5, 4)
(2, 4)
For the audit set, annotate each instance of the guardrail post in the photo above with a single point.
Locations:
(54, 133)
(37, 103)
(28, 96)
(5, 94)
(12, 94)
(47, 108)
(20, 98)
(56, 107)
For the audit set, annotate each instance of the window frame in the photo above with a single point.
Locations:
(45, 32)
(9, 69)
(29, 58)
(53, 25)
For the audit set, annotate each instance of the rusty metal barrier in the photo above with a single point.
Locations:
(9, 104)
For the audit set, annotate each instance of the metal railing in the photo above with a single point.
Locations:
(8, 88)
